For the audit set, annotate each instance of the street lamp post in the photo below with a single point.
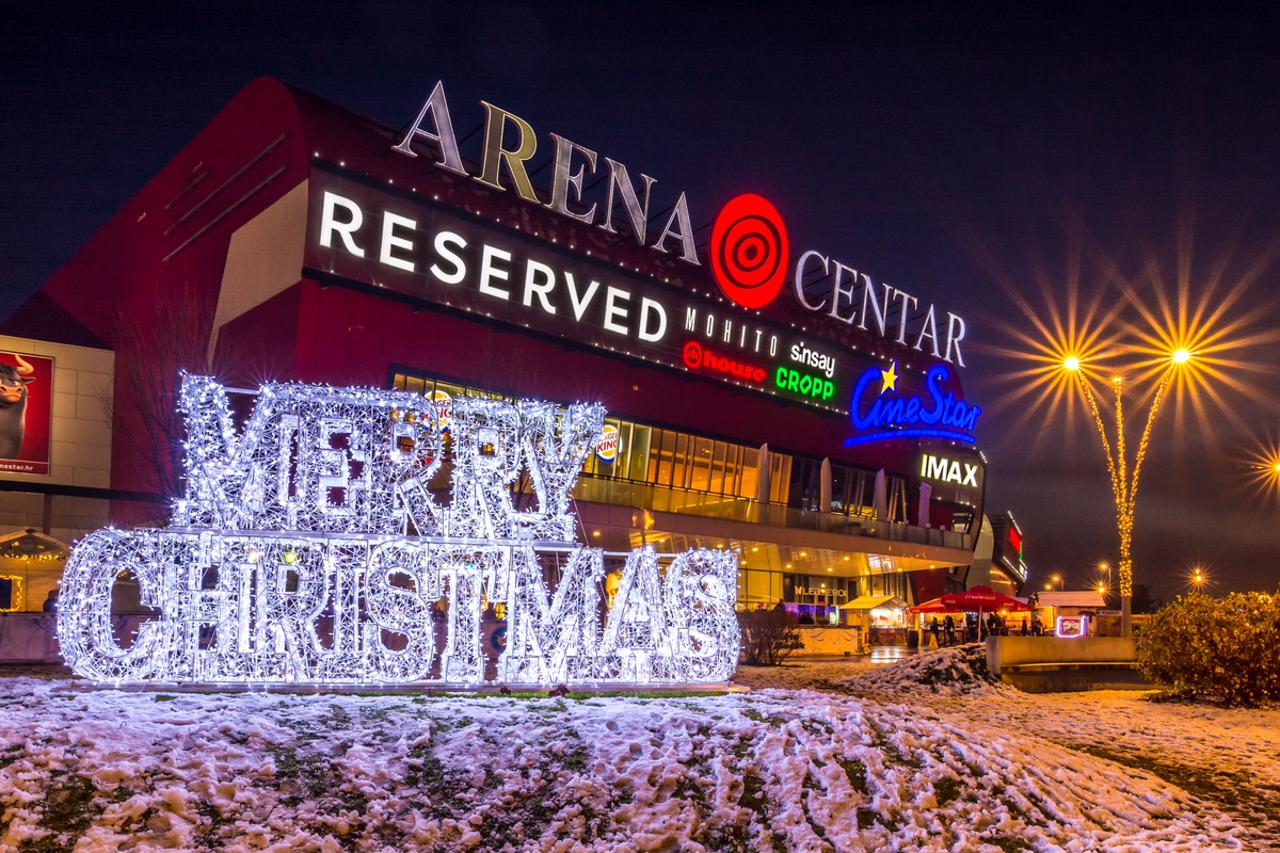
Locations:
(1185, 348)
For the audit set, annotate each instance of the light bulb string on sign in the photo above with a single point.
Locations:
(288, 558)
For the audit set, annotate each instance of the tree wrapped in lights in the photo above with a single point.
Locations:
(1124, 475)
(1184, 353)
(310, 548)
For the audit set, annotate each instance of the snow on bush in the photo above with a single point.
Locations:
(957, 669)
(1225, 649)
(108, 770)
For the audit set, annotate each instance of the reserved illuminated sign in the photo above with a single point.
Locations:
(433, 253)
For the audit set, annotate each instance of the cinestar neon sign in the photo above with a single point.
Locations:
(880, 412)
(309, 548)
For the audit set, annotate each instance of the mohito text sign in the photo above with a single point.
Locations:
(309, 549)
(432, 253)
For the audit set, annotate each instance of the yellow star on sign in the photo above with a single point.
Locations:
(889, 378)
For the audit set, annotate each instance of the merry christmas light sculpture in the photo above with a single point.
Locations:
(310, 548)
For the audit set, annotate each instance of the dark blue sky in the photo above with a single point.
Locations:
(914, 142)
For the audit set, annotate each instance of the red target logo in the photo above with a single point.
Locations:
(749, 251)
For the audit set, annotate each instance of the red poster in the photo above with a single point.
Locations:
(26, 412)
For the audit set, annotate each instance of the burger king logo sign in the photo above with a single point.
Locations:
(607, 446)
(444, 409)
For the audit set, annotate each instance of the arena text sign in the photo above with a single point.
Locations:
(749, 249)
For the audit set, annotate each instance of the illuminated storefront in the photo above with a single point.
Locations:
(764, 395)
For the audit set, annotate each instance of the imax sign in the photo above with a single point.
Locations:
(946, 470)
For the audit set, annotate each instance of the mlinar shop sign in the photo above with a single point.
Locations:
(392, 240)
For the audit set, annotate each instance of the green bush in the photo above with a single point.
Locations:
(1224, 649)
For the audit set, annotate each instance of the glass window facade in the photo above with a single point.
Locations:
(852, 490)
(708, 470)
(758, 588)
(662, 457)
(895, 584)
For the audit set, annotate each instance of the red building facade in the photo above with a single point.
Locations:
(293, 240)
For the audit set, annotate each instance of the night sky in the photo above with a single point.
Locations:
(953, 155)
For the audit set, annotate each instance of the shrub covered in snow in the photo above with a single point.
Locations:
(768, 636)
(1225, 649)
(958, 669)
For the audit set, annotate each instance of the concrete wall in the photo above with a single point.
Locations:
(32, 637)
(1008, 651)
(72, 517)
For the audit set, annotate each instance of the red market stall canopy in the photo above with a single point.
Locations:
(982, 598)
(933, 605)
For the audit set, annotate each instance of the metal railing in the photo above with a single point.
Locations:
(707, 505)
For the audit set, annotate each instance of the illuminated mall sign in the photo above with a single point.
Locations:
(881, 411)
(750, 250)
(946, 470)
(510, 142)
(436, 253)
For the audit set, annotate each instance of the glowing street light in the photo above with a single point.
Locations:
(1185, 347)
(1198, 578)
(1123, 473)
(1057, 578)
(1265, 466)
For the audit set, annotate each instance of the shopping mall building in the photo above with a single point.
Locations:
(764, 393)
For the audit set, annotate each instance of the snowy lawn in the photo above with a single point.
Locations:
(1229, 758)
(915, 769)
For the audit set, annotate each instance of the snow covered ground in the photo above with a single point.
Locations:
(920, 767)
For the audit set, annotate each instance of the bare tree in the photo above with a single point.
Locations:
(153, 345)
(768, 636)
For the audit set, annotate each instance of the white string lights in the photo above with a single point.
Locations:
(311, 548)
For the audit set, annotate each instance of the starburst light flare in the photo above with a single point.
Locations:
(1264, 467)
(1185, 350)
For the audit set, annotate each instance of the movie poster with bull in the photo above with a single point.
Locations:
(26, 412)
